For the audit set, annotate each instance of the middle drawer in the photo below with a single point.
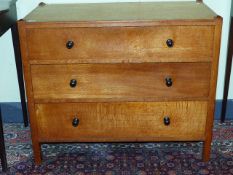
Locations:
(120, 82)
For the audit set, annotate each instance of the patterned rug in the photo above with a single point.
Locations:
(175, 158)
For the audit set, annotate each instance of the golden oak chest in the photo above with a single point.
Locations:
(121, 72)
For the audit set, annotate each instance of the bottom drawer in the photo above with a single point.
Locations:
(128, 121)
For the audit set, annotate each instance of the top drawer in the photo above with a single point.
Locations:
(120, 44)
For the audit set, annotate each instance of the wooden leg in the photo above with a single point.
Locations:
(37, 153)
(206, 151)
(227, 73)
(209, 134)
(2, 147)
(18, 62)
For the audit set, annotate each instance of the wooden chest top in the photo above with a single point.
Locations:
(136, 11)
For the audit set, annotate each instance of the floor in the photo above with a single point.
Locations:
(122, 158)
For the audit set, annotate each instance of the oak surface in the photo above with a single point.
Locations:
(121, 82)
(213, 87)
(121, 44)
(29, 93)
(121, 121)
(120, 12)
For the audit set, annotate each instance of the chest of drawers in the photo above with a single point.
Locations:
(121, 72)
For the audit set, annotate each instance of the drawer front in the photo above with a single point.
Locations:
(120, 82)
(131, 121)
(121, 44)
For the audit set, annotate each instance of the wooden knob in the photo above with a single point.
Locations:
(69, 44)
(168, 81)
(170, 43)
(73, 83)
(166, 121)
(75, 122)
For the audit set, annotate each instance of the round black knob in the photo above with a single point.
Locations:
(166, 121)
(75, 122)
(69, 44)
(73, 83)
(170, 43)
(168, 81)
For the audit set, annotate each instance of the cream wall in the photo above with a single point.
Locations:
(222, 8)
(9, 91)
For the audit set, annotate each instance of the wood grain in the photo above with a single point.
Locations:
(120, 82)
(128, 23)
(29, 92)
(121, 121)
(120, 63)
(130, 11)
(121, 44)
(213, 86)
